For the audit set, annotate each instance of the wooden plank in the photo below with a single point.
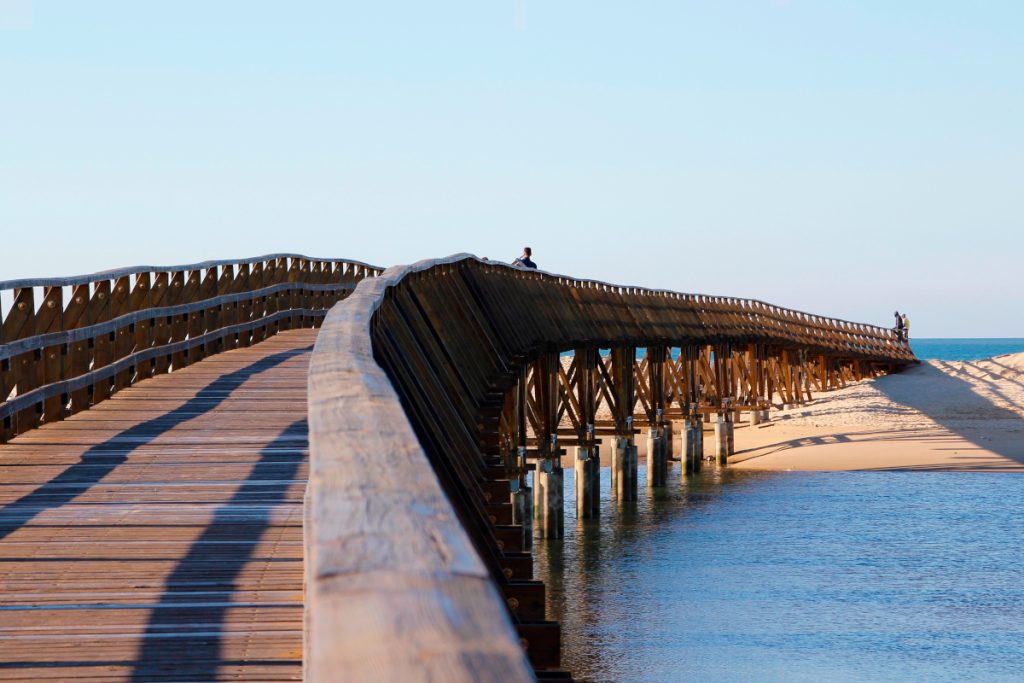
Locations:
(161, 538)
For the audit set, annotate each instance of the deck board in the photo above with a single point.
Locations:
(158, 536)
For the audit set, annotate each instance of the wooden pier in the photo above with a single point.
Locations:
(158, 522)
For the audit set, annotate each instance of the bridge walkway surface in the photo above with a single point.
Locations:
(158, 535)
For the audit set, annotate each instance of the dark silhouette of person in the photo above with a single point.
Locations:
(525, 261)
(899, 326)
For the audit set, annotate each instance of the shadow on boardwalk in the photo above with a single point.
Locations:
(184, 634)
(100, 460)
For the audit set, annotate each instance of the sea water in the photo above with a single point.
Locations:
(794, 576)
(964, 349)
(837, 576)
(929, 349)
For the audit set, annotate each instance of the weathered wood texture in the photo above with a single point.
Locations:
(395, 590)
(84, 338)
(158, 536)
(387, 559)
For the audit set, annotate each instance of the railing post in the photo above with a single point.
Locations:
(139, 300)
(161, 331)
(76, 362)
(21, 369)
(28, 364)
(50, 318)
(6, 387)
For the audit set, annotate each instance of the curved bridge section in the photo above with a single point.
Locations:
(434, 390)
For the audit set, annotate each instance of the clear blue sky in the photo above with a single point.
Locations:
(846, 158)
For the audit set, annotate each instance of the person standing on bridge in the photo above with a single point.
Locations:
(524, 261)
(899, 327)
(906, 328)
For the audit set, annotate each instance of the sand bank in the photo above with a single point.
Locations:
(939, 415)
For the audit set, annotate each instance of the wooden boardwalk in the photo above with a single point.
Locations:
(158, 535)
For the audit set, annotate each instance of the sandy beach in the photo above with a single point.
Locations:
(939, 415)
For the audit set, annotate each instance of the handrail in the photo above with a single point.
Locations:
(202, 265)
(394, 589)
(83, 333)
(407, 381)
(119, 326)
(66, 387)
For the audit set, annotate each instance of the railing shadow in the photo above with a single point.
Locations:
(180, 642)
(951, 402)
(100, 460)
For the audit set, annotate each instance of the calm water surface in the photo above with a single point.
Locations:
(964, 349)
(927, 349)
(839, 576)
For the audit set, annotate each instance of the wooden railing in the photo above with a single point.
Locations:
(414, 568)
(85, 338)
(394, 588)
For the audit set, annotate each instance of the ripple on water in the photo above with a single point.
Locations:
(830, 576)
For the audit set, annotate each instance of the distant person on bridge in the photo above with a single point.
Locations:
(906, 328)
(899, 326)
(524, 260)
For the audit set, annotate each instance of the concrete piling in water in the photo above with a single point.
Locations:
(614, 465)
(539, 484)
(693, 446)
(657, 460)
(581, 481)
(555, 491)
(633, 477)
(624, 469)
(730, 437)
(723, 438)
(587, 482)
(522, 513)
(522, 500)
(720, 451)
(693, 441)
(595, 481)
(549, 501)
(652, 458)
(663, 447)
(670, 443)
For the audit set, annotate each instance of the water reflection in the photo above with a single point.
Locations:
(740, 575)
